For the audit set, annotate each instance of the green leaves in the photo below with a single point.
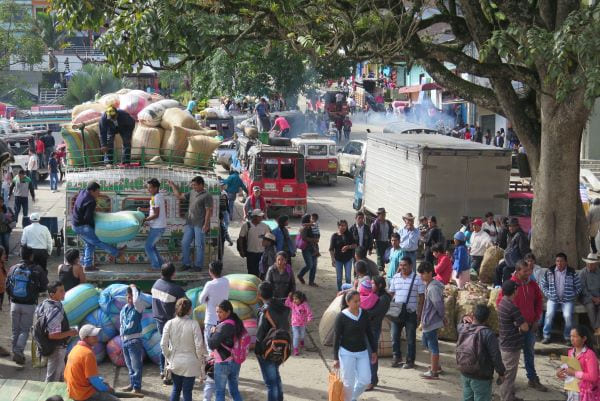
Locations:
(91, 80)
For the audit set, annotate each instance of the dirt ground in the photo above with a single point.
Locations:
(304, 377)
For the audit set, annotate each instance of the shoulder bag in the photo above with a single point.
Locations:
(398, 311)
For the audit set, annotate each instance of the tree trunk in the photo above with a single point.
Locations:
(558, 223)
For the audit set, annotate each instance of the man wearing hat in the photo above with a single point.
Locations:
(517, 246)
(115, 122)
(255, 201)
(590, 283)
(268, 257)
(84, 382)
(480, 241)
(409, 238)
(253, 233)
(381, 232)
(38, 238)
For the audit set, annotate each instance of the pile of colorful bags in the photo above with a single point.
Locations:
(86, 304)
(164, 130)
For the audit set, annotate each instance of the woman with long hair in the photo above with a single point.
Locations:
(222, 340)
(341, 249)
(376, 316)
(583, 351)
(352, 339)
(183, 347)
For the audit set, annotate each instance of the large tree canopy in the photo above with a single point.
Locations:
(537, 63)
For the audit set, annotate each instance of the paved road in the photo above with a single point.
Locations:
(304, 377)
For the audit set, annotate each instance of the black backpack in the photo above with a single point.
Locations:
(469, 349)
(277, 344)
(45, 345)
(22, 284)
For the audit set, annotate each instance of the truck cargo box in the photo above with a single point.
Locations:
(435, 175)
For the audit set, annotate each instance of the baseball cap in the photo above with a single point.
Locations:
(254, 189)
(477, 222)
(34, 217)
(257, 213)
(88, 330)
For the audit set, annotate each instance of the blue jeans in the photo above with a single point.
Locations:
(529, 356)
(339, 269)
(270, 373)
(21, 202)
(231, 203)
(567, 311)
(182, 384)
(227, 372)
(154, 235)
(92, 241)
(33, 177)
(298, 333)
(133, 351)
(410, 326)
(413, 257)
(196, 234)
(161, 365)
(5, 242)
(310, 265)
(53, 181)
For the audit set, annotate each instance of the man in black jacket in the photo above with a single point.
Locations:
(517, 247)
(381, 231)
(280, 315)
(361, 233)
(115, 122)
(82, 219)
(478, 385)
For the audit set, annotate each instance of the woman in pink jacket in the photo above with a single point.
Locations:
(589, 386)
(301, 315)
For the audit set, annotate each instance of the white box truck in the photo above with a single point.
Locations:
(434, 175)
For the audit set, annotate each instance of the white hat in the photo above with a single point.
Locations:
(257, 212)
(591, 258)
(88, 330)
(269, 236)
(34, 217)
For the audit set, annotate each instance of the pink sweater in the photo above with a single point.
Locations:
(589, 385)
(301, 314)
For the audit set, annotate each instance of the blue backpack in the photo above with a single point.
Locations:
(22, 285)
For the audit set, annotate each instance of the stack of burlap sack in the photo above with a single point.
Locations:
(164, 131)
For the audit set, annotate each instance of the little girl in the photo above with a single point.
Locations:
(368, 298)
(301, 315)
(462, 270)
(583, 351)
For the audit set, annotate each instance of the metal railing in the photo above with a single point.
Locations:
(51, 96)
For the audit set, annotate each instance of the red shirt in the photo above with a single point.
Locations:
(39, 146)
(528, 299)
(443, 269)
(281, 123)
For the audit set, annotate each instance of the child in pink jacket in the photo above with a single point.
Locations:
(589, 386)
(301, 315)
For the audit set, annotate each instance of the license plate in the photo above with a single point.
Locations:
(332, 165)
(270, 187)
(287, 189)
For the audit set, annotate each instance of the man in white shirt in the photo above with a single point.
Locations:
(407, 288)
(38, 238)
(480, 241)
(157, 221)
(253, 231)
(490, 227)
(32, 168)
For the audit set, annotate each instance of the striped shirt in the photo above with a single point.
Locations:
(400, 285)
(509, 320)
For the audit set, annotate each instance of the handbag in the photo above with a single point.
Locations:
(300, 243)
(398, 311)
(242, 243)
(336, 386)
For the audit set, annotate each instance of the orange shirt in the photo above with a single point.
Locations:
(81, 365)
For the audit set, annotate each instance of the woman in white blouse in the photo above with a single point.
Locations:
(183, 346)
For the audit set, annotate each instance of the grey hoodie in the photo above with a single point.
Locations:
(433, 310)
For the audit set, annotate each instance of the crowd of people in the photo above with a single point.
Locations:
(399, 287)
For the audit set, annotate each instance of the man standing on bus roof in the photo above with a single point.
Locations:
(197, 222)
(255, 201)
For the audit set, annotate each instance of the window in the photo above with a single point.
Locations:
(133, 204)
(358, 148)
(301, 149)
(348, 147)
(332, 150)
(520, 207)
(270, 168)
(288, 169)
(317, 150)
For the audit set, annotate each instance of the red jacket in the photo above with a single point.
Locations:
(528, 299)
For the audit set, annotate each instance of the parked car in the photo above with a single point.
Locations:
(351, 156)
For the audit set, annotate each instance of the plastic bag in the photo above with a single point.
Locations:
(336, 386)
